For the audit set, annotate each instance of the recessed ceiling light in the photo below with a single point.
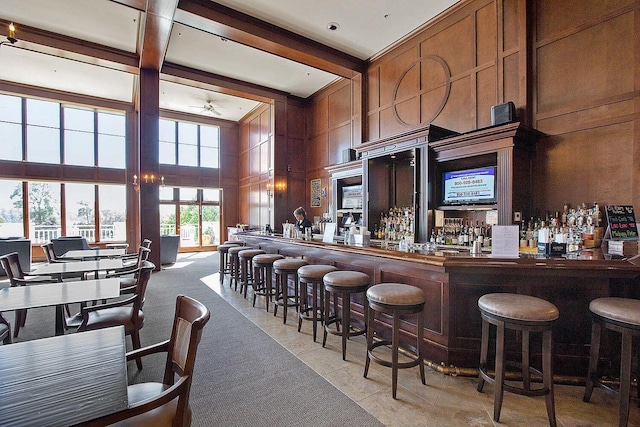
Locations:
(333, 26)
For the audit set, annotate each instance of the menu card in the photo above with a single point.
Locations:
(621, 222)
(505, 240)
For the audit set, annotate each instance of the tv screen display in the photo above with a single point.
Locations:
(468, 187)
(352, 197)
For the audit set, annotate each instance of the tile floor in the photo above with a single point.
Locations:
(445, 400)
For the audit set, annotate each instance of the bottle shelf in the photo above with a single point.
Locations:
(466, 207)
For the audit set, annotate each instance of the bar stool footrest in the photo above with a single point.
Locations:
(389, 364)
(543, 391)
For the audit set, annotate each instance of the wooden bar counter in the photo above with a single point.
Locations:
(453, 282)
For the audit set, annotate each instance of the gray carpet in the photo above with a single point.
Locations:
(242, 377)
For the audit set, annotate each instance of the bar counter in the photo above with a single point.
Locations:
(453, 280)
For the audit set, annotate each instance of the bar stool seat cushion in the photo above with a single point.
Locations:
(266, 259)
(346, 279)
(235, 249)
(316, 271)
(250, 253)
(289, 264)
(624, 310)
(397, 294)
(523, 308)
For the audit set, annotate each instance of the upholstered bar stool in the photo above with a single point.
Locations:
(283, 269)
(620, 315)
(343, 284)
(234, 265)
(312, 275)
(245, 259)
(526, 314)
(223, 252)
(395, 299)
(263, 277)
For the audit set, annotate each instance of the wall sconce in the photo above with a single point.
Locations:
(281, 185)
(146, 179)
(11, 39)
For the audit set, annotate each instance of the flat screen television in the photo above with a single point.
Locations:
(352, 197)
(469, 187)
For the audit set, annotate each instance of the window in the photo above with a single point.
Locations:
(11, 127)
(113, 212)
(78, 137)
(112, 137)
(188, 144)
(80, 210)
(209, 146)
(50, 123)
(11, 218)
(43, 131)
(44, 211)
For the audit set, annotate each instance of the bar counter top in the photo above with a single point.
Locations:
(453, 280)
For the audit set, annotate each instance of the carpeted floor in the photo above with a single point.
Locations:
(242, 377)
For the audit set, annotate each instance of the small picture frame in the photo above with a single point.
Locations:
(316, 193)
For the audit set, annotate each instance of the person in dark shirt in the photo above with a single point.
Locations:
(301, 219)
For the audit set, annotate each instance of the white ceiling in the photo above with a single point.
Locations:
(366, 27)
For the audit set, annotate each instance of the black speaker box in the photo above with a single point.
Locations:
(503, 113)
(348, 155)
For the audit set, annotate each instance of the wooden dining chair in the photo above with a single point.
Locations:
(126, 312)
(129, 275)
(130, 260)
(5, 331)
(166, 403)
(17, 277)
(51, 256)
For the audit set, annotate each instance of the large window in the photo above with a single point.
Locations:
(189, 144)
(11, 208)
(192, 213)
(57, 133)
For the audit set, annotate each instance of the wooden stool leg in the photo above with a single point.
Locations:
(257, 281)
(420, 325)
(268, 273)
(526, 373)
(327, 315)
(547, 374)
(499, 381)
(395, 338)
(221, 267)
(594, 354)
(302, 302)
(484, 349)
(371, 319)
(314, 307)
(285, 296)
(625, 377)
(346, 326)
(277, 293)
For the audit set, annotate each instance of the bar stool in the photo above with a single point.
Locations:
(343, 284)
(234, 265)
(620, 315)
(263, 277)
(223, 251)
(525, 314)
(395, 299)
(245, 258)
(283, 268)
(312, 274)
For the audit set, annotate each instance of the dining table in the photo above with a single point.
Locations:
(58, 269)
(89, 254)
(63, 380)
(58, 294)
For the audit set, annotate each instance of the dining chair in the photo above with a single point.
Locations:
(5, 331)
(130, 260)
(17, 277)
(129, 275)
(166, 403)
(51, 256)
(126, 312)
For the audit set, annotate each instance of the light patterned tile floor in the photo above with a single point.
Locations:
(444, 401)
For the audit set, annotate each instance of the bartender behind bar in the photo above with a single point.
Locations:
(301, 219)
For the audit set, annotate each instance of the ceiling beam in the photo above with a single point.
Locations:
(42, 41)
(241, 28)
(156, 31)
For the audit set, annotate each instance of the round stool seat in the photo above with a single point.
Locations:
(523, 308)
(233, 242)
(225, 247)
(288, 264)
(623, 310)
(395, 294)
(235, 249)
(266, 259)
(347, 279)
(307, 272)
(250, 253)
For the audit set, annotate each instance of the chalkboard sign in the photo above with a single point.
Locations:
(621, 222)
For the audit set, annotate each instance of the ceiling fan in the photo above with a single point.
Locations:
(210, 108)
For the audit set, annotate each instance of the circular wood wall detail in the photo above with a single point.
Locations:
(435, 85)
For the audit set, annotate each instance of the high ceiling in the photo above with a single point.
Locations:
(205, 50)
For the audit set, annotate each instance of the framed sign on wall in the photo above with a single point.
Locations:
(316, 193)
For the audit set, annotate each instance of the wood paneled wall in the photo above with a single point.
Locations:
(572, 68)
